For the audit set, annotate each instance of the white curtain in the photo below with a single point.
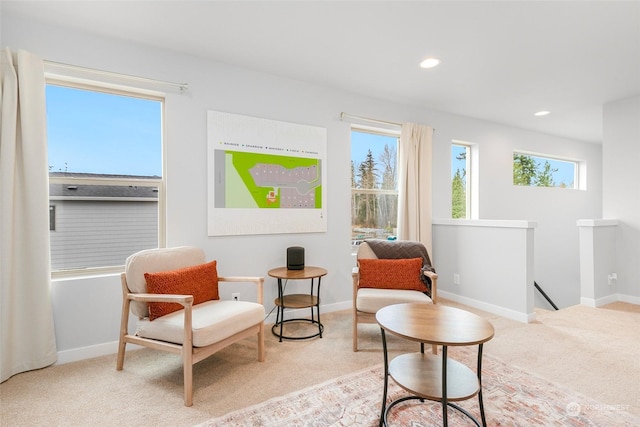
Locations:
(27, 338)
(414, 180)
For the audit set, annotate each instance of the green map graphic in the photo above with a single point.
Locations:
(252, 180)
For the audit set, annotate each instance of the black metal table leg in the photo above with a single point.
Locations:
(445, 420)
(317, 306)
(281, 306)
(479, 371)
(383, 421)
(417, 373)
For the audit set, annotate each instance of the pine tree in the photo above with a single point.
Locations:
(367, 174)
(458, 196)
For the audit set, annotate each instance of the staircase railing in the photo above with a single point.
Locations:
(544, 295)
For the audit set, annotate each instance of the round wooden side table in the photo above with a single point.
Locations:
(299, 301)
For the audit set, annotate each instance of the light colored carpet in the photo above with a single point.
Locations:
(512, 397)
(592, 351)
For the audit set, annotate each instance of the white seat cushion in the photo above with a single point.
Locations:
(212, 322)
(370, 300)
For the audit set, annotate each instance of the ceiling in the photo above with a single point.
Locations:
(502, 61)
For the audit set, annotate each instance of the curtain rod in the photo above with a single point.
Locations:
(182, 86)
(344, 115)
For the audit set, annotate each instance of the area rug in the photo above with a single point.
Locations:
(511, 397)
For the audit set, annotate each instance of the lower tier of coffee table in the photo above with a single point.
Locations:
(421, 375)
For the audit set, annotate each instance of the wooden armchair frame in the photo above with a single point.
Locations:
(190, 354)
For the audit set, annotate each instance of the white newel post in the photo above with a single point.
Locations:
(597, 261)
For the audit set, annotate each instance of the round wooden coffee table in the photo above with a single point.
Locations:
(427, 376)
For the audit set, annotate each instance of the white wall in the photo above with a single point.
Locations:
(621, 188)
(493, 261)
(555, 210)
(221, 87)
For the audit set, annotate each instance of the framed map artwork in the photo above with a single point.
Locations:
(265, 176)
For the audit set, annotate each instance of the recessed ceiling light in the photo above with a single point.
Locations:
(541, 113)
(429, 62)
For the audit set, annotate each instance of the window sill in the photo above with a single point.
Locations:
(85, 273)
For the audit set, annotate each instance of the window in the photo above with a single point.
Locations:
(105, 175)
(374, 185)
(538, 171)
(52, 218)
(460, 190)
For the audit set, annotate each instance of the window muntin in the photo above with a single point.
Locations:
(106, 186)
(531, 170)
(374, 184)
(52, 218)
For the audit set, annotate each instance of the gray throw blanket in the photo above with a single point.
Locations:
(395, 249)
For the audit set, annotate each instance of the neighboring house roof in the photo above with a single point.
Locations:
(73, 189)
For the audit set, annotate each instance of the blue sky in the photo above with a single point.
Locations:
(103, 133)
(361, 142)
(457, 150)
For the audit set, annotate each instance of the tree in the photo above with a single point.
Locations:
(368, 179)
(524, 169)
(354, 184)
(353, 175)
(544, 177)
(458, 196)
(388, 204)
(388, 160)
(458, 184)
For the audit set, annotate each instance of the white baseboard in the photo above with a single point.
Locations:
(590, 302)
(89, 352)
(491, 308)
(629, 298)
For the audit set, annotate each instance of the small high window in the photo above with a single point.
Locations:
(541, 171)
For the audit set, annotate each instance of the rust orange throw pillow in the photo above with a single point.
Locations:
(201, 281)
(391, 274)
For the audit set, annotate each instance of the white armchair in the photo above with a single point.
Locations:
(368, 298)
(193, 329)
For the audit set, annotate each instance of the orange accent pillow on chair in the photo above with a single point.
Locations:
(401, 273)
(201, 281)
